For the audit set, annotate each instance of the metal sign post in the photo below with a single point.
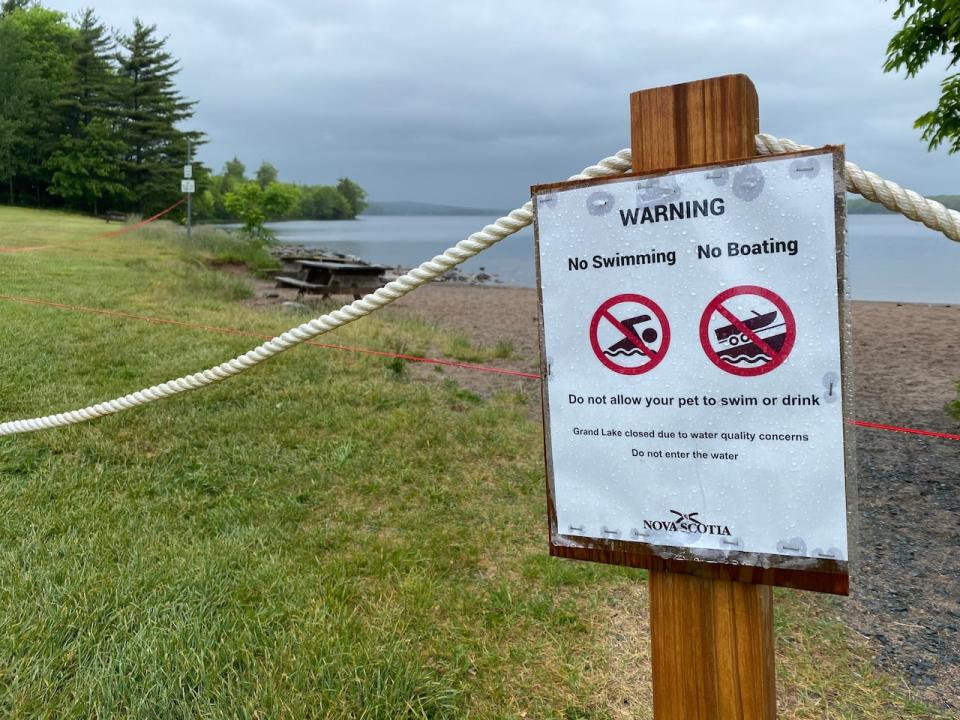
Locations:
(693, 408)
(188, 175)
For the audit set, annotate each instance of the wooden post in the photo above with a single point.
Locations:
(712, 640)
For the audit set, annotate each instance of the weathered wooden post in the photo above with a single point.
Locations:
(711, 639)
(693, 403)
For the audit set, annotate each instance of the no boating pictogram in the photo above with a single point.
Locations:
(747, 330)
(630, 334)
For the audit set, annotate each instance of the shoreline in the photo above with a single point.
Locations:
(487, 275)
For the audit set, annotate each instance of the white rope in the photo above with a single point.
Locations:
(429, 270)
(871, 186)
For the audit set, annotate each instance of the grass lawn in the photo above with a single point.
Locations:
(319, 537)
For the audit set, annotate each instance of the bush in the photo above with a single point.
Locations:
(213, 246)
(225, 248)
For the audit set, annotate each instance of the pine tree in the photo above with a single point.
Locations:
(85, 164)
(88, 93)
(86, 168)
(149, 108)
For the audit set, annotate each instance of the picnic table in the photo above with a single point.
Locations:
(326, 278)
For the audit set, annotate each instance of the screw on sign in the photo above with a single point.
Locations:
(747, 330)
(630, 334)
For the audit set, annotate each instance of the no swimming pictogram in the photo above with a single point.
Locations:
(629, 334)
(747, 330)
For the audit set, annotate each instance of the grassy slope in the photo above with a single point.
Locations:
(317, 538)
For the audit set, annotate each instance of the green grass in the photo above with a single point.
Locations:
(458, 347)
(212, 246)
(228, 249)
(319, 537)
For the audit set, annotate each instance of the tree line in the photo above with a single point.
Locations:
(88, 118)
(231, 195)
(91, 119)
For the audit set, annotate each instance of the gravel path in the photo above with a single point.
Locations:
(906, 587)
(906, 582)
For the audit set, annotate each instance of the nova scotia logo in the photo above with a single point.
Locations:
(689, 522)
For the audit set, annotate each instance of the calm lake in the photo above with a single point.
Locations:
(890, 257)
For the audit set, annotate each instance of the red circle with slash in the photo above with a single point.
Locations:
(633, 342)
(776, 349)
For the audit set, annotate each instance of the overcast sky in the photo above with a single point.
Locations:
(471, 103)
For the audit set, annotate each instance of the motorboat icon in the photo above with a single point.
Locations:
(739, 348)
(631, 344)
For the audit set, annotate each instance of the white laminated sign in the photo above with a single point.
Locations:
(694, 396)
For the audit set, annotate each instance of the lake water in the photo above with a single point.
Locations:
(890, 257)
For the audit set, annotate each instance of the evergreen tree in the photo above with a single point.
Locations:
(149, 109)
(87, 94)
(87, 168)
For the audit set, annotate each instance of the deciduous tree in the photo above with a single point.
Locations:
(266, 174)
(253, 206)
(931, 28)
(35, 58)
(324, 202)
(17, 79)
(355, 195)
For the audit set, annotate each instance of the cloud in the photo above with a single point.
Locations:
(471, 103)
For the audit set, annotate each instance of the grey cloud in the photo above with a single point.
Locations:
(453, 103)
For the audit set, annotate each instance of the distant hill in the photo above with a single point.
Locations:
(403, 207)
(862, 206)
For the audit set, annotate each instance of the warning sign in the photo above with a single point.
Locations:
(630, 334)
(689, 320)
(753, 338)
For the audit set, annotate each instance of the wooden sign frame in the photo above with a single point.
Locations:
(817, 574)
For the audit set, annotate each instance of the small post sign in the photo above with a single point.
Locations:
(187, 172)
(691, 330)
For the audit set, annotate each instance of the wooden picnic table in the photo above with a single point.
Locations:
(321, 277)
